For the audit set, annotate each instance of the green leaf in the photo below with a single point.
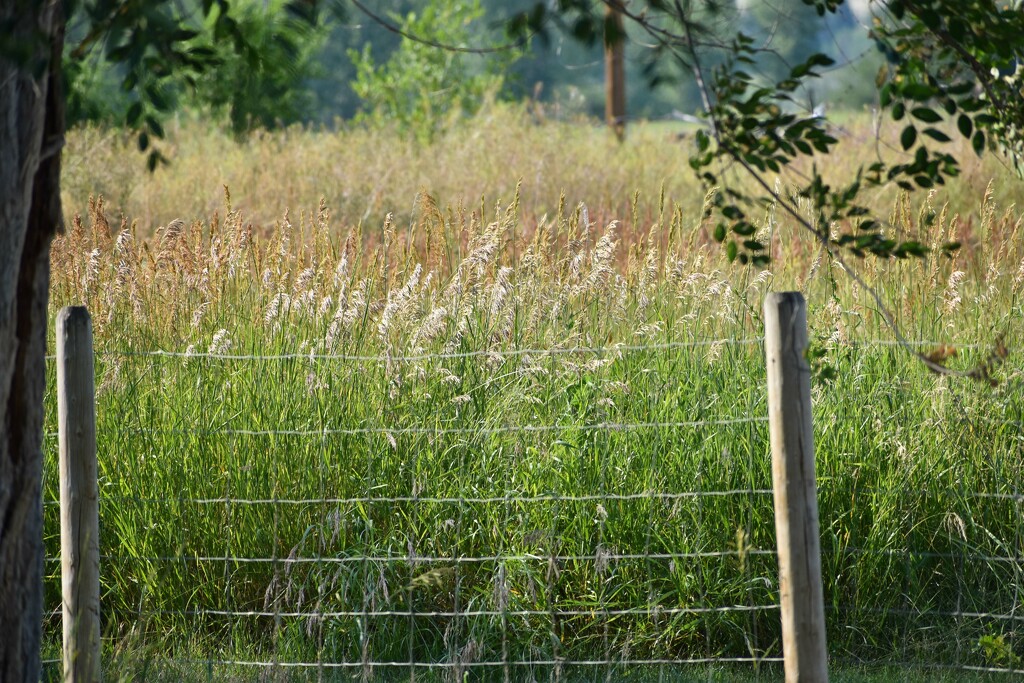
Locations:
(908, 137)
(134, 114)
(965, 125)
(978, 142)
(720, 231)
(925, 114)
(744, 229)
(755, 161)
(820, 59)
(730, 251)
(898, 110)
(911, 248)
(155, 127)
(919, 91)
(156, 97)
(800, 70)
(703, 141)
(732, 212)
(584, 31)
(936, 134)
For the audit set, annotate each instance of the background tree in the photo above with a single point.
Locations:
(421, 87)
(265, 84)
(260, 79)
(615, 72)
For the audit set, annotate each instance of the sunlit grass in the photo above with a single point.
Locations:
(481, 420)
(365, 173)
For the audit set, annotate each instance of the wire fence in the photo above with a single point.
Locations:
(538, 517)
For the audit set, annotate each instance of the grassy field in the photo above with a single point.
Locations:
(521, 430)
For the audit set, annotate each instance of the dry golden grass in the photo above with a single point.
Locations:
(364, 174)
(450, 265)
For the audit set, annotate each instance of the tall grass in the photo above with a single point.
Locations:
(381, 465)
(366, 173)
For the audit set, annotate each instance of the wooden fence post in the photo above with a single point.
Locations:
(79, 496)
(796, 503)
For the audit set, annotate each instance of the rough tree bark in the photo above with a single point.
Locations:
(31, 136)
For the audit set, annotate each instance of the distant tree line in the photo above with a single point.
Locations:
(298, 72)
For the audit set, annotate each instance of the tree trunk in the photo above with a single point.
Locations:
(615, 72)
(31, 136)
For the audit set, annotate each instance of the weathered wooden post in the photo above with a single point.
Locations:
(615, 71)
(796, 503)
(79, 496)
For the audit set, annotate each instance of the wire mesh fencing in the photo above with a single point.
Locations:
(538, 514)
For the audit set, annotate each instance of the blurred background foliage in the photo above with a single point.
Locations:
(352, 67)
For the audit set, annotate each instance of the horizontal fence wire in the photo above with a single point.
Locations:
(853, 663)
(483, 431)
(439, 500)
(546, 498)
(596, 611)
(486, 664)
(537, 557)
(463, 666)
(510, 352)
(420, 357)
(440, 431)
(551, 663)
(440, 559)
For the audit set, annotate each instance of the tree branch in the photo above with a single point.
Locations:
(398, 30)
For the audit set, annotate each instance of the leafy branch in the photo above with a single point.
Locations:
(947, 61)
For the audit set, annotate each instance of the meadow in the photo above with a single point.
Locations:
(497, 404)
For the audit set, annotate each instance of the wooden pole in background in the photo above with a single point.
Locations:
(614, 71)
(796, 503)
(79, 496)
